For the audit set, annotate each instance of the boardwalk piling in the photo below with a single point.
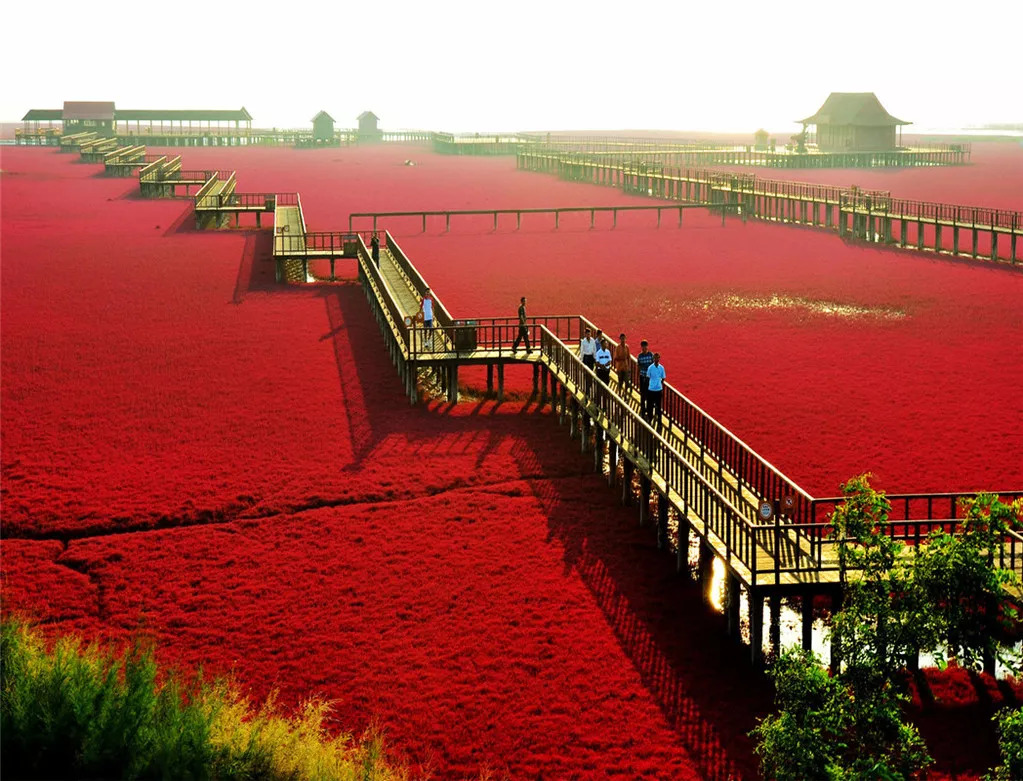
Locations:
(628, 468)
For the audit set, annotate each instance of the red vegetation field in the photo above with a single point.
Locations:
(230, 464)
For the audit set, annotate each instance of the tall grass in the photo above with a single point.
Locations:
(83, 710)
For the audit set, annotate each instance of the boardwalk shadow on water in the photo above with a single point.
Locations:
(701, 680)
(697, 677)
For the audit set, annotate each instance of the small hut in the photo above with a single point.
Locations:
(760, 140)
(368, 130)
(323, 128)
(854, 122)
(92, 116)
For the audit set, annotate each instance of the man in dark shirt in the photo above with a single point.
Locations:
(374, 245)
(523, 330)
(644, 359)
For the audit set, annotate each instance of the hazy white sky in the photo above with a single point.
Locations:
(529, 64)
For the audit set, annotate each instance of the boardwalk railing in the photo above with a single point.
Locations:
(557, 211)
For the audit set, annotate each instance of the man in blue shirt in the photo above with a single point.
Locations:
(426, 307)
(602, 359)
(645, 359)
(655, 390)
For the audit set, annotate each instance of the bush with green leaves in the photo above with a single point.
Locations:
(898, 600)
(963, 588)
(826, 728)
(1010, 743)
(81, 710)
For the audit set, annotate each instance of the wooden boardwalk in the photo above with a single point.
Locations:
(867, 215)
(690, 473)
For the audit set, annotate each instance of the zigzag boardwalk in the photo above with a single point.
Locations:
(772, 536)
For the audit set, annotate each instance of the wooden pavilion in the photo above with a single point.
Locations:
(88, 116)
(104, 119)
(854, 122)
(323, 128)
(368, 130)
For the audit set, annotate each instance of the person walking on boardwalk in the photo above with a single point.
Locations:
(588, 349)
(655, 390)
(523, 329)
(603, 361)
(374, 245)
(645, 360)
(622, 361)
(426, 310)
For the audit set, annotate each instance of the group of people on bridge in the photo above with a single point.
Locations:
(597, 355)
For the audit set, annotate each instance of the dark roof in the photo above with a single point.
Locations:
(366, 115)
(177, 115)
(41, 114)
(322, 114)
(88, 109)
(853, 108)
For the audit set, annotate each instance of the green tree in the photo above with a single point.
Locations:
(879, 625)
(963, 585)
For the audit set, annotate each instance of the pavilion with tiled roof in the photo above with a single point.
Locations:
(854, 122)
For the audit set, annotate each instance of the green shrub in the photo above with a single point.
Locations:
(1010, 733)
(827, 729)
(81, 710)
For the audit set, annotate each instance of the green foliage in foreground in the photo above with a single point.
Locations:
(80, 710)
(1010, 731)
(827, 728)
(945, 596)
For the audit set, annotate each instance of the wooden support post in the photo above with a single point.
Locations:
(447, 222)
(988, 660)
(973, 253)
(614, 219)
(557, 219)
(662, 522)
(518, 220)
(937, 237)
(563, 406)
(756, 629)
(573, 418)
(836, 656)
(612, 462)
(955, 239)
(806, 605)
(705, 569)
(774, 632)
(495, 220)
(592, 212)
(598, 447)
(543, 384)
(733, 599)
(919, 235)
(644, 498)
(490, 378)
(453, 383)
(554, 389)
(424, 222)
(994, 245)
(500, 382)
(584, 440)
(627, 471)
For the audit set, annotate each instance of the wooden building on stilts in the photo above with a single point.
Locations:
(854, 122)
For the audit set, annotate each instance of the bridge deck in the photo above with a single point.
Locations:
(289, 238)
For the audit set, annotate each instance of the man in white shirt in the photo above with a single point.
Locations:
(655, 391)
(603, 360)
(588, 349)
